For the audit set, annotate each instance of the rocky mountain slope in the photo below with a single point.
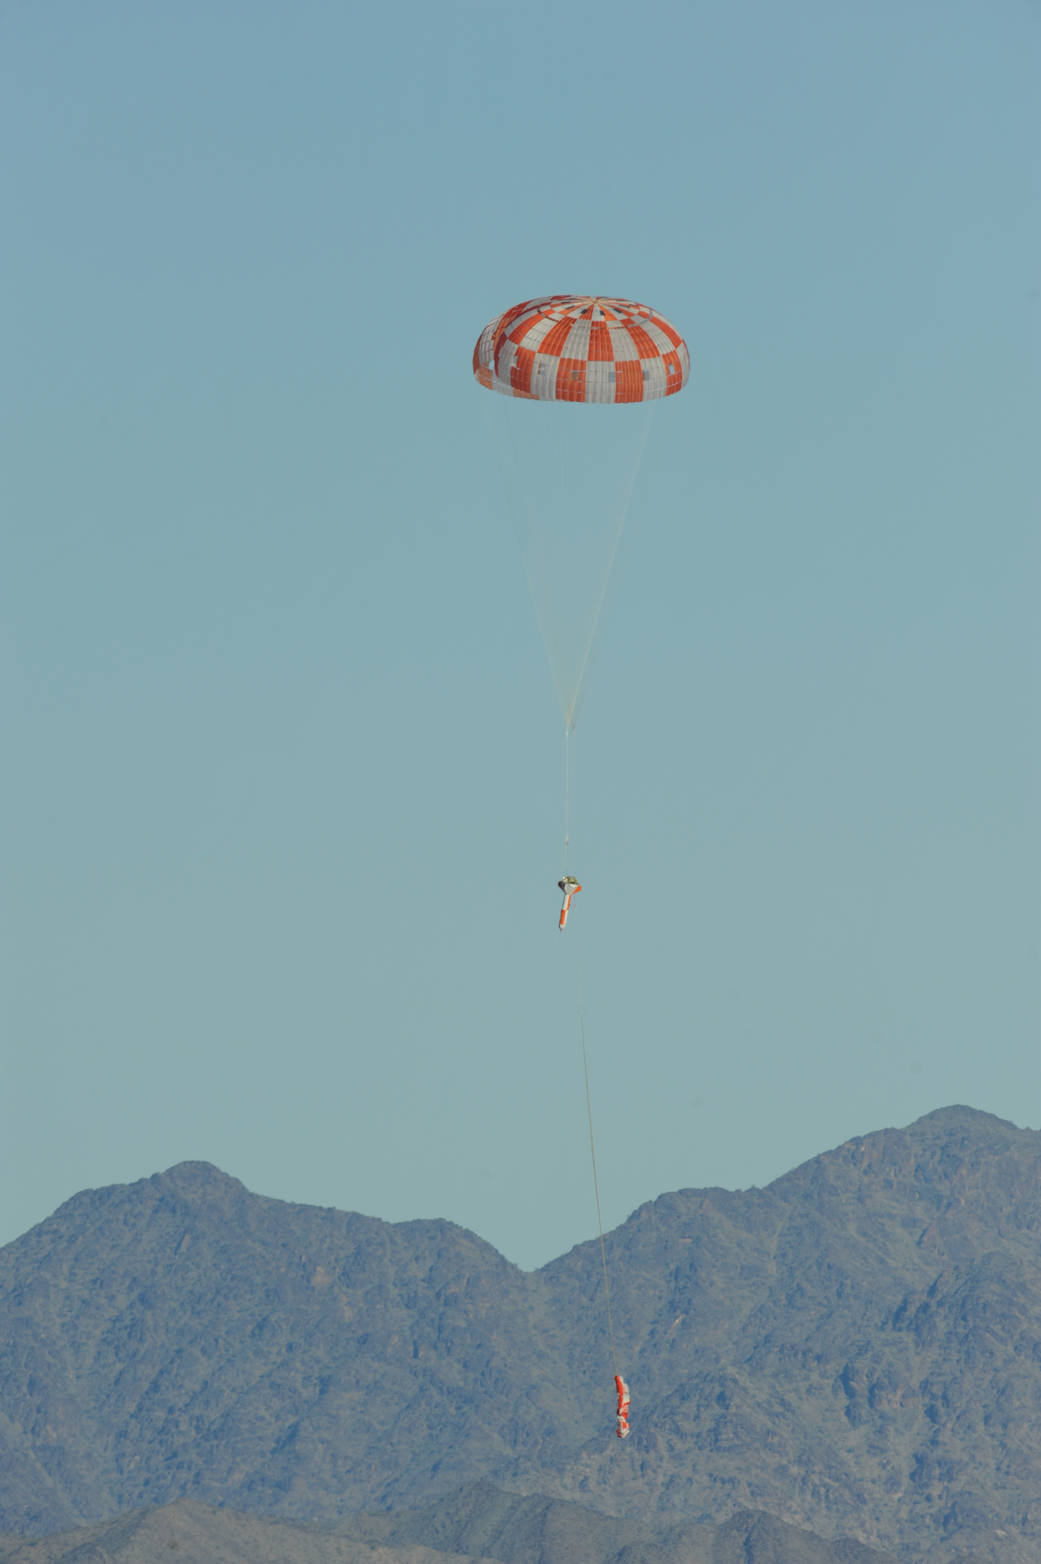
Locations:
(855, 1350)
(531, 1529)
(506, 1528)
(194, 1533)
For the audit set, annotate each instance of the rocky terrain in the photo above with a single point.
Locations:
(505, 1528)
(853, 1352)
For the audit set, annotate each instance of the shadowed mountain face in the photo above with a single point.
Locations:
(515, 1529)
(855, 1350)
(456, 1530)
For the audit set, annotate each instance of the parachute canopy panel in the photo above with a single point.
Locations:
(577, 348)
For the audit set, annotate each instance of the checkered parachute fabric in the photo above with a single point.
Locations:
(572, 348)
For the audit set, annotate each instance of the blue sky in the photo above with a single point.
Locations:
(282, 777)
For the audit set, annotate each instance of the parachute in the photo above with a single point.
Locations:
(570, 347)
(593, 351)
(569, 478)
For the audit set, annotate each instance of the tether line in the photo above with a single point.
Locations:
(596, 1185)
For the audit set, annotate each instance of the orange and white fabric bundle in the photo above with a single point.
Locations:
(623, 1407)
(570, 886)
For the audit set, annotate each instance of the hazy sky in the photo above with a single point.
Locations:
(281, 754)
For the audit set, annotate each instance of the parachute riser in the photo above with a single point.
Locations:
(567, 792)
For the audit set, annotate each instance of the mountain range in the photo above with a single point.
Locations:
(853, 1352)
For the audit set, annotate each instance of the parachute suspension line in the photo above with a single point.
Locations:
(596, 1182)
(523, 511)
(567, 704)
(524, 508)
(571, 710)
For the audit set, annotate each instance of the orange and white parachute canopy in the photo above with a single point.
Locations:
(570, 347)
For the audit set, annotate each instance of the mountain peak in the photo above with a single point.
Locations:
(196, 1178)
(959, 1114)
